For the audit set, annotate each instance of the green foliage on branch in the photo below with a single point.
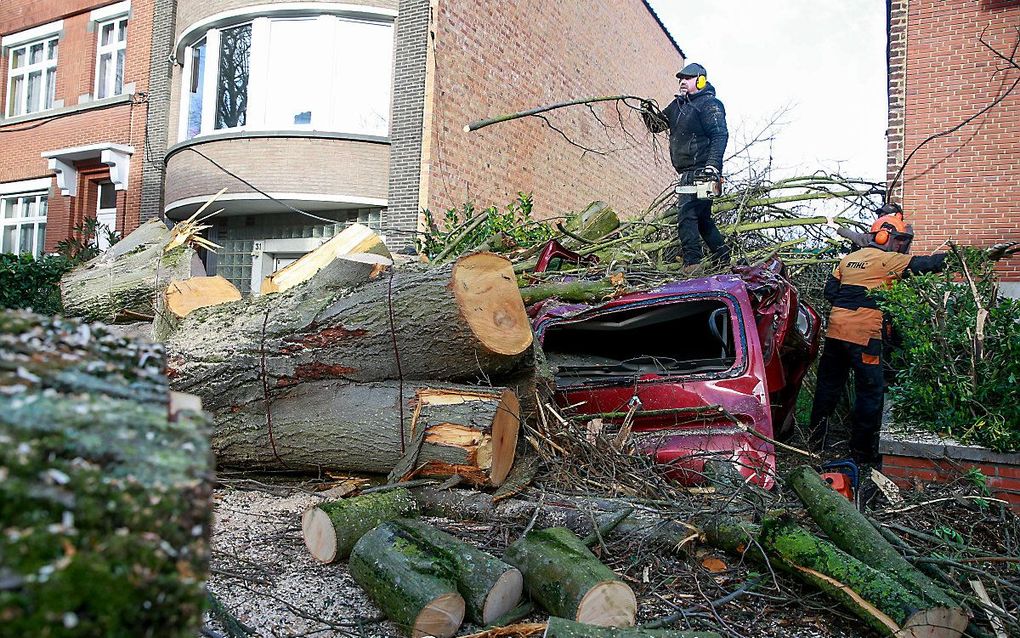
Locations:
(26, 282)
(466, 229)
(956, 379)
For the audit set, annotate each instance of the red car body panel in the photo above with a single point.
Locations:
(685, 417)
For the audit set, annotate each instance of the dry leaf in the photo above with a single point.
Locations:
(714, 565)
(617, 279)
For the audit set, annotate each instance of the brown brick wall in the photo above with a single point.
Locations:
(23, 142)
(494, 58)
(275, 165)
(964, 186)
(191, 11)
(908, 472)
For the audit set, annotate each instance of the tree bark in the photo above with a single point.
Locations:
(331, 529)
(853, 533)
(436, 430)
(489, 586)
(458, 322)
(874, 595)
(88, 445)
(414, 589)
(563, 628)
(563, 576)
(129, 278)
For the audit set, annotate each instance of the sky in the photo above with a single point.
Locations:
(823, 61)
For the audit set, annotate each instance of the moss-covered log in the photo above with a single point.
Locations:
(128, 280)
(331, 529)
(563, 576)
(104, 497)
(428, 429)
(876, 597)
(563, 628)
(853, 533)
(415, 589)
(489, 586)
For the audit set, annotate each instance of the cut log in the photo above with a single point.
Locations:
(457, 322)
(412, 588)
(331, 529)
(356, 427)
(105, 499)
(563, 628)
(563, 576)
(127, 279)
(489, 586)
(182, 297)
(354, 239)
(853, 533)
(876, 597)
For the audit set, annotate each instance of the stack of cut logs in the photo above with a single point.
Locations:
(341, 363)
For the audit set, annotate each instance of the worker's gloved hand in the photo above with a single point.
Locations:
(712, 172)
(648, 106)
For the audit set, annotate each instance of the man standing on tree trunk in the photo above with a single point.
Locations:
(696, 121)
(854, 337)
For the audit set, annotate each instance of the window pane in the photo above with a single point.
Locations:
(118, 80)
(196, 90)
(232, 85)
(40, 240)
(51, 88)
(51, 53)
(361, 100)
(105, 61)
(122, 31)
(35, 53)
(106, 36)
(296, 72)
(107, 195)
(18, 58)
(43, 207)
(15, 104)
(27, 241)
(7, 239)
(29, 207)
(6, 209)
(34, 91)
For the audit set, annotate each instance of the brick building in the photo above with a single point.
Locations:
(965, 185)
(74, 81)
(355, 111)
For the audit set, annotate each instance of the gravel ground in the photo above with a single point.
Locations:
(264, 576)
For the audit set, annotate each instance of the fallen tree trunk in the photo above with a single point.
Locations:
(435, 429)
(875, 596)
(489, 586)
(331, 529)
(853, 533)
(129, 278)
(457, 322)
(90, 443)
(413, 589)
(563, 628)
(355, 239)
(563, 576)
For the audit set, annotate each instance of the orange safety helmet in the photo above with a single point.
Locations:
(887, 227)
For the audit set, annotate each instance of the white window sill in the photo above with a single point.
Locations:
(67, 110)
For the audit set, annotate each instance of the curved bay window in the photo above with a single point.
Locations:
(323, 73)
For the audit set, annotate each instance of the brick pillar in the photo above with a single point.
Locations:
(896, 51)
(410, 56)
(156, 121)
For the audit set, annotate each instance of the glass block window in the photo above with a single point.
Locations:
(23, 223)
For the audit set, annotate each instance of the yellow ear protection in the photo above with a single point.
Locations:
(701, 82)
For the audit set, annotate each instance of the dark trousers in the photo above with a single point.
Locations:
(838, 358)
(694, 223)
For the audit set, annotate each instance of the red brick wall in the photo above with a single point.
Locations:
(1003, 480)
(23, 142)
(492, 58)
(964, 186)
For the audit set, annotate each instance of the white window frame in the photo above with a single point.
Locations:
(105, 216)
(329, 26)
(115, 46)
(15, 202)
(47, 87)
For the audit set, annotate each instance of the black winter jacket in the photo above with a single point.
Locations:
(697, 131)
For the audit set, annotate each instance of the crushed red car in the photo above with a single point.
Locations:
(701, 361)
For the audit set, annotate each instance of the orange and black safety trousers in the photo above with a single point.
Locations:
(838, 358)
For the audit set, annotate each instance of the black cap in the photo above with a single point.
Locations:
(692, 70)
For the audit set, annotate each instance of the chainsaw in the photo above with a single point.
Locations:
(704, 184)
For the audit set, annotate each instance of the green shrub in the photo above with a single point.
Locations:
(951, 381)
(465, 229)
(26, 282)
